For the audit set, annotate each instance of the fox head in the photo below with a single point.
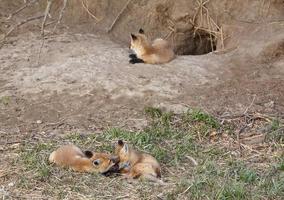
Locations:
(121, 150)
(103, 163)
(139, 42)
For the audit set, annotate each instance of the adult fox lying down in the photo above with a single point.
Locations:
(157, 52)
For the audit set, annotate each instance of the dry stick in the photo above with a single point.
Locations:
(40, 49)
(46, 13)
(20, 24)
(118, 16)
(22, 8)
(207, 30)
(261, 9)
(60, 15)
(202, 5)
(246, 110)
(194, 162)
(195, 15)
(85, 6)
(210, 21)
(243, 128)
(217, 27)
(222, 38)
(199, 10)
(122, 197)
(210, 28)
(185, 191)
(268, 8)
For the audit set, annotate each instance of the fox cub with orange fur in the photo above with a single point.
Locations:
(73, 157)
(136, 164)
(157, 52)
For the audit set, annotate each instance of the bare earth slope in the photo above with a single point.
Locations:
(86, 80)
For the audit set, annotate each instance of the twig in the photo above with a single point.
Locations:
(40, 50)
(85, 6)
(60, 15)
(122, 197)
(20, 24)
(222, 38)
(210, 28)
(46, 13)
(57, 124)
(118, 16)
(194, 162)
(186, 190)
(245, 126)
(22, 8)
(11, 142)
(246, 110)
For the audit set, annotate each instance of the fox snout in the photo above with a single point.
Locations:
(115, 159)
(114, 166)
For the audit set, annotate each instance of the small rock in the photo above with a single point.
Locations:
(11, 184)
(269, 104)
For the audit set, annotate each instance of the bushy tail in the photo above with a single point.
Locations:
(52, 157)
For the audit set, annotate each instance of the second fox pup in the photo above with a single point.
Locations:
(73, 157)
(136, 164)
(157, 52)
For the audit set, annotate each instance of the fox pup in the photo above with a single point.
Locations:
(135, 164)
(73, 157)
(157, 52)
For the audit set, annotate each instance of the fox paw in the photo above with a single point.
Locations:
(132, 56)
(132, 61)
(136, 60)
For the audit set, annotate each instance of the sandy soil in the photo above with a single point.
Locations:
(84, 81)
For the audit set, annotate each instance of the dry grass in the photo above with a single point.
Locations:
(224, 171)
(202, 21)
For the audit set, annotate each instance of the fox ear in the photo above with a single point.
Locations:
(133, 37)
(88, 154)
(120, 142)
(141, 31)
(125, 148)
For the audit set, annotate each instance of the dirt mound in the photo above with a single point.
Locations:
(193, 27)
(248, 38)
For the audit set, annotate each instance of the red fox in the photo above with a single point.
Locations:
(73, 157)
(135, 164)
(157, 52)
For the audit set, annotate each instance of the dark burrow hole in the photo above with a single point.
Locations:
(199, 43)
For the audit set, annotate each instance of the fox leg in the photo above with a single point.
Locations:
(136, 60)
(133, 174)
(136, 171)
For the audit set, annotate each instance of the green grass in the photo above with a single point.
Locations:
(5, 100)
(170, 138)
(35, 159)
(276, 132)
